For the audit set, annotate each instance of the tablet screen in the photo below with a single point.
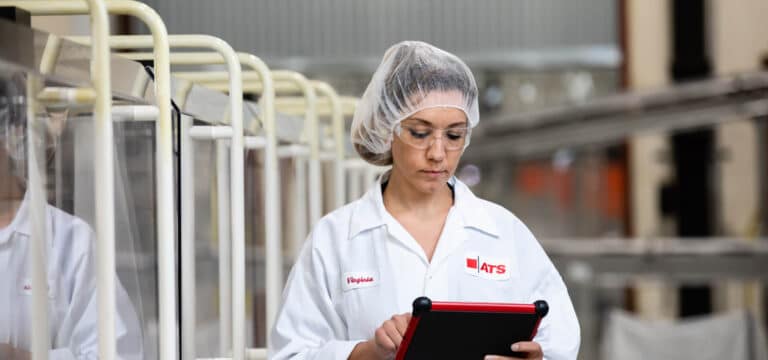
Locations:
(440, 330)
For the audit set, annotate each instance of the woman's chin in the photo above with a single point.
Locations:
(431, 186)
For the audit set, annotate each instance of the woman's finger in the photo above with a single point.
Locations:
(528, 347)
(401, 323)
(392, 332)
(383, 341)
(531, 349)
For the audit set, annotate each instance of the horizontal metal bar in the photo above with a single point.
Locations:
(327, 155)
(66, 96)
(210, 132)
(676, 259)
(135, 112)
(612, 130)
(714, 246)
(254, 142)
(256, 354)
(293, 150)
(610, 120)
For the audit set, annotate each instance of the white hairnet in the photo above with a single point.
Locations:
(412, 76)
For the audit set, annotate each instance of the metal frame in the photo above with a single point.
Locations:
(285, 82)
(165, 205)
(104, 176)
(227, 55)
(160, 42)
(336, 112)
(359, 171)
(273, 253)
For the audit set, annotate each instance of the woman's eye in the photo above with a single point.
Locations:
(455, 135)
(418, 134)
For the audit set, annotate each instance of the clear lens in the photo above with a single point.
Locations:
(422, 137)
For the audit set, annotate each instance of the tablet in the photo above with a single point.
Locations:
(462, 330)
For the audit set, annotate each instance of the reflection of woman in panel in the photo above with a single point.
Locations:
(72, 306)
(418, 232)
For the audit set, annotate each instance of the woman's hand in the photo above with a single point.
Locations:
(385, 341)
(530, 350)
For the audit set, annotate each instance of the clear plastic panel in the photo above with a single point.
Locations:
(65, 143)
(206, 251)
(255, 277)
(208, 247)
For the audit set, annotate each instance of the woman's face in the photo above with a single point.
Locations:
(428, 170)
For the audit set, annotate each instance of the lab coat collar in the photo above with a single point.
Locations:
(370, 212)
(472, 209)
(21, 223)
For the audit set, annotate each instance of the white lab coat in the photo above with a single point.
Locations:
(360, 266)
(73, 306)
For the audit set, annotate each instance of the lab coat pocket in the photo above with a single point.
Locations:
(361, 301)
(489, 290)
(23, 312)
(24, 287)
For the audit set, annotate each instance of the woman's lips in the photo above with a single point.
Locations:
(433, 173)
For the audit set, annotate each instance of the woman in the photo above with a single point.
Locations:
(350, 292)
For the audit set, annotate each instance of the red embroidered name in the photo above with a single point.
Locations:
(359, 280)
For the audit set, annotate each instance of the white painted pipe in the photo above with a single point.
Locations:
(104, 178)
(299, 209)
(164, 143)
(337, 122)
(273, 249)
(314, 177)
(50, 55)
(225, 249)
(135, 113)
(255, 142)
(216, 132)
(187, 248)
(271, 183)
(326, 156)
(37, 201)
(292, 150)
(256, 354)
(63, 96)
(231, 59)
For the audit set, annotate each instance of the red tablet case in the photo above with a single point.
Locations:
(465, 330)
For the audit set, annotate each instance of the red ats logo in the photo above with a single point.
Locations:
(486, 267)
